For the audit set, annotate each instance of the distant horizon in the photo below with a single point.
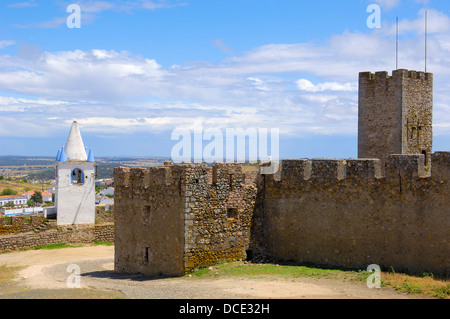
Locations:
(331, 149)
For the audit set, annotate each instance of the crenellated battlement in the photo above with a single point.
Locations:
(383, 76)
(409, 167)
(230, 176)
(220, 175)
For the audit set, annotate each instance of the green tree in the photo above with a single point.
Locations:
(8, 191)
(9, 204)
(2, 177)
(37, 197)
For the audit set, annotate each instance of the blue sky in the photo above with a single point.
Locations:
(137, 70)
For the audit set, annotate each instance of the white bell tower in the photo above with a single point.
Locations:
(75, 182)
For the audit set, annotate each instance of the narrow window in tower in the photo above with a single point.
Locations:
(146, 215)
(413, 132)
(424, 152)
(146, 254)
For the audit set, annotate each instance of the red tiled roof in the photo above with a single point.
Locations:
(10, 196)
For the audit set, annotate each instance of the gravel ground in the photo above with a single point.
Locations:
(45, 275)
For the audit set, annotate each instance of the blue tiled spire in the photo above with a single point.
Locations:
(91, 156)
(62, 157)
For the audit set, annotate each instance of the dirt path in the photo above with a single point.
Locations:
(46, 273)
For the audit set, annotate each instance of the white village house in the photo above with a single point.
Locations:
(16, 199)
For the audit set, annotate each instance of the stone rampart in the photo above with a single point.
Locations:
(327, 212)
(345, 213)
(173, 219)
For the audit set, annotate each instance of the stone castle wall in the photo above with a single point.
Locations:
(217, 215)
(347, 214)
(339, 213)
(149, 228)
(173, 219)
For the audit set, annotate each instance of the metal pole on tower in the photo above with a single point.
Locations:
(396, 46)
(426, 38)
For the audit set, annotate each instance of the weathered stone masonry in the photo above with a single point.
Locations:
(340, 213)
(395, 114)
(173, 219)
(72, 234)
(346, 214)
(35, 230)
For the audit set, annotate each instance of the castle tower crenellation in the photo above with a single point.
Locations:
(395, 114)
(316, 171)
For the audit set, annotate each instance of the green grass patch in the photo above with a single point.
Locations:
(64, 245)
(441, 292)
(8, 220)
(424, 284)
(103, 243)
(265, 270)
(56, 246)
(408, 287)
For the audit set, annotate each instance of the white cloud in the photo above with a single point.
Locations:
(389, 4)
(437, 23)
(6, 43)
(161, 4)
(306, 85)
(91, 8)
(299, 88)
(24, 4)
(50, 24)
(222, 46)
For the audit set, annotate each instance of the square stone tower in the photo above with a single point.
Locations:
(395, 114)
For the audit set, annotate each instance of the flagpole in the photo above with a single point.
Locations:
(426, 38)
(396, 46)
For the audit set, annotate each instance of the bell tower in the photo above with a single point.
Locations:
(75, 182)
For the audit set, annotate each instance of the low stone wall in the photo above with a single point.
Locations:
(73, 234)
(101, 216)
(20, 224)
(104, 232)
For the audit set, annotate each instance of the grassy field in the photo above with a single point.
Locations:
(20, 186)
(402, 283)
